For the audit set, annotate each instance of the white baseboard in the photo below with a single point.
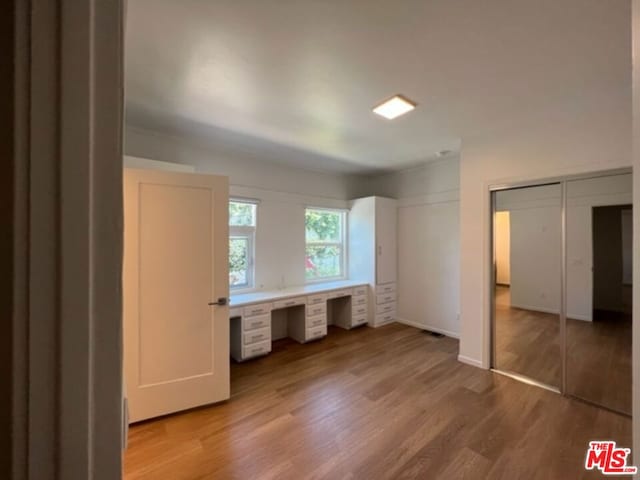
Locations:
(421, 326)
(470, 361)
(536, 309)
(585, 318)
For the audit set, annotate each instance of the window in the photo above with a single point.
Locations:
(325, 243)
(242, 235)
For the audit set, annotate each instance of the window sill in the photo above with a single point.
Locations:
(241, 290)
(325, 280)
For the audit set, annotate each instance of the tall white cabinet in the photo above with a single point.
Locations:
(373, 254)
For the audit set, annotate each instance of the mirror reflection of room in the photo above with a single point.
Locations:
(527, 243)
(599, 264)
(591, 360)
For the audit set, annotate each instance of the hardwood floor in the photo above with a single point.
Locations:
(598, 352)
(527, 342)
(387, 403)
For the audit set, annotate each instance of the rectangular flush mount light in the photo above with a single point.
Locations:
(394, 107)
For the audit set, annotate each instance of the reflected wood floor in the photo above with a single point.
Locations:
(386, 403)
(527, 342)
(598, 353)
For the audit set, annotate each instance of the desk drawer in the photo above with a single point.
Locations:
(359, 300)
(385, 297)
(385, 318)
(315, 299)
(385, 308)
(386, 288)
(317, 309)
(256, 349)
(255, 336)
(289, 302)
(257, 309)
(340, 293)
(316, 321)
(360, 290)
(316, 332)
(253, 323)
(358, 319)
(358, 310)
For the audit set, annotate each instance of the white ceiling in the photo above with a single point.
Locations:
(296, 80)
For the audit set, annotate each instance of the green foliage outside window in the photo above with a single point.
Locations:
(242, 222)
(323, 226)
(324, 249)
(242, 214)
(238, 260)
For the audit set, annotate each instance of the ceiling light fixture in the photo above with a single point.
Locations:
(394, 107)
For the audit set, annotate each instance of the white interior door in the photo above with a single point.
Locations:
(176, 346)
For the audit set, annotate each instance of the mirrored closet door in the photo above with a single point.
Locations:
(599, 264)
(562, 277)
(527, 251)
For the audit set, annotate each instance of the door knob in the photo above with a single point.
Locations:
(221, 301)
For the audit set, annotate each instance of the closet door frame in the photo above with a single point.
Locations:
(562, 181)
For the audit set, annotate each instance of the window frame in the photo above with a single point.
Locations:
(248, 232)
(344, 244)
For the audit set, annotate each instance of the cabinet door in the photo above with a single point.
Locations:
(386, 244)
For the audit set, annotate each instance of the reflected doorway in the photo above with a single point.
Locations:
(599, 343)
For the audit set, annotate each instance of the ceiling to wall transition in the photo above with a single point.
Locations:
(295, 80)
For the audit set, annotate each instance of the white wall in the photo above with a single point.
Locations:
(242, 170)
(536, 246)
(149, 164)
(428, 242)
(283, 194)
(438, 177)
(536, 241)
(582, 196)
(561, 142)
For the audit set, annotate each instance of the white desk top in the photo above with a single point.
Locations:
(270, 295)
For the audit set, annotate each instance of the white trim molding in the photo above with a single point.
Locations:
(471, 361)
(68, 215)
(429, 328)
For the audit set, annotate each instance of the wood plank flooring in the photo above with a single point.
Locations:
(387, 403)
(598, 353)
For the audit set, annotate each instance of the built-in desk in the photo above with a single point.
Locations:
(301, 313)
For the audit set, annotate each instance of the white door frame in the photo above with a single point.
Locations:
(66, 391)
